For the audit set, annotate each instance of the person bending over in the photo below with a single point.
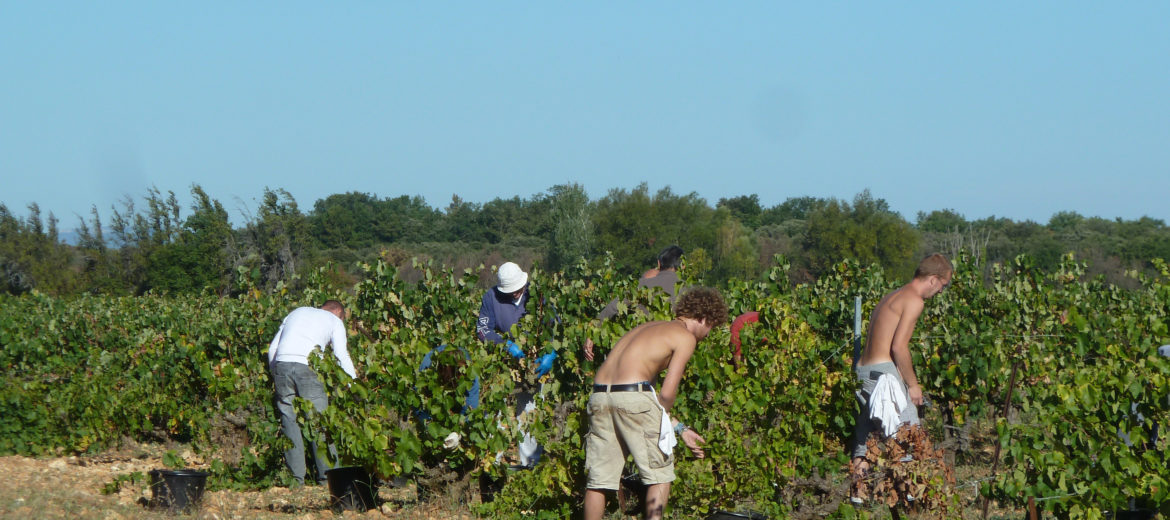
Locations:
(624, 410)
(887, 347)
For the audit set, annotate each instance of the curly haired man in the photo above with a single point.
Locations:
(626, 415)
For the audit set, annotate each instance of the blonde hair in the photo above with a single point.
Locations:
(936, 265)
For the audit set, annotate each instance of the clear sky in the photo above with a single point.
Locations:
(1012, 109)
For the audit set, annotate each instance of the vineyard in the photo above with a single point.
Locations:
(85, 373)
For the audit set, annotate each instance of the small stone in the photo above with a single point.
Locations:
(57, 464)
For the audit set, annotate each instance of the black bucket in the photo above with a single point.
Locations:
(725, 515)
(351, 488)
(177, 491)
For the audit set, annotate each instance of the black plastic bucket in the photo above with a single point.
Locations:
(351, 488)
(177, 491)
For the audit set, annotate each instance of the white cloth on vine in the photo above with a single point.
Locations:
(666, 439)
(887, 403)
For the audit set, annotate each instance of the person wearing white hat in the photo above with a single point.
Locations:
(504, 304)
(502, 307)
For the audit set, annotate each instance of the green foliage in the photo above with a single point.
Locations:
(115, 485)
(866, 231)
(572, 229)
(941, 221)
(634, 226)
(83, 372)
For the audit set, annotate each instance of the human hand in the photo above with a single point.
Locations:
(589, 349)
(515, 349)
(692, 439)
(915, 395)
(545, 363)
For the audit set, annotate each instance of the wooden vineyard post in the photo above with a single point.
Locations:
(1032, 509)
(1007, 402)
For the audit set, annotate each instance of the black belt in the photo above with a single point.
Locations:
(626, 387)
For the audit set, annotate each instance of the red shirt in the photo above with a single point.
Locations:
(740, 321)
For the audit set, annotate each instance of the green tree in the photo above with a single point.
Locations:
(795, 208)
(572, 227)
(198, 257)
(345, 220)
(865, 230)
(276, 241)
(31, 256)
(635, 226)
(941, 221)
(744, 208)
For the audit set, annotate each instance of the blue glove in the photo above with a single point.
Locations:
(545, 363)
(515, 350)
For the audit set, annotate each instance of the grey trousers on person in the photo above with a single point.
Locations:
(869, 374)
(298, 380)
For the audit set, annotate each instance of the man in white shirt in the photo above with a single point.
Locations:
(303, 331)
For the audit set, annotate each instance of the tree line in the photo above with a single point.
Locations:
(152, 244)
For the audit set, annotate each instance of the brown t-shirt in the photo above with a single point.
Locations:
(667, 281)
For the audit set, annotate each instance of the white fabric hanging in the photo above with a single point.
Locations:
(886, 403)
(666, 439)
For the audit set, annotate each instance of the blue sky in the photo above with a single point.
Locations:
(1013, 109)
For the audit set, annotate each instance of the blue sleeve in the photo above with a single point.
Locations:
(472, 400)
(486, 324)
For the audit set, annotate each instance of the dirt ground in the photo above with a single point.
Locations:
(71, 487)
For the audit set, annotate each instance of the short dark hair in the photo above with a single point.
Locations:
(334, 305)
(703, 304)
(670, 258)
(936, 264)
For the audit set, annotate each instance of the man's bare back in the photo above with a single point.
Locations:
(892, 324)
(640, 355)
(897, 311)
(645, 352)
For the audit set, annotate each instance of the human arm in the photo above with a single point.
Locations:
(609, 311)
(900, 349)
(341, 349)
(275, 343)
(683, 350)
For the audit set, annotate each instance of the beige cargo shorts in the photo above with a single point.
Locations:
(621, 424)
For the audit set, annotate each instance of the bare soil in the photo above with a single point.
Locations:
(71, 487)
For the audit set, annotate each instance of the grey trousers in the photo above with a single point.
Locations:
(869, 374)
(298, 380)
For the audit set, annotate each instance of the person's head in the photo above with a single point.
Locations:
(512, 280)
(935, 271)
(703, 305)
(335, 307)
(670, 258)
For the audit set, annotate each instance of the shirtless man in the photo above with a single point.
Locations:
(887, 347)
(625, 414)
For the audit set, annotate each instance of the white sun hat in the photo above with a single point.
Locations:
(512, 278)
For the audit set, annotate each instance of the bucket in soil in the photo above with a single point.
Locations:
(177, 491)
(351, 488)
(727, 515)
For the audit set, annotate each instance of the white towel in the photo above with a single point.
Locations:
(666, 439)
(886, 403)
